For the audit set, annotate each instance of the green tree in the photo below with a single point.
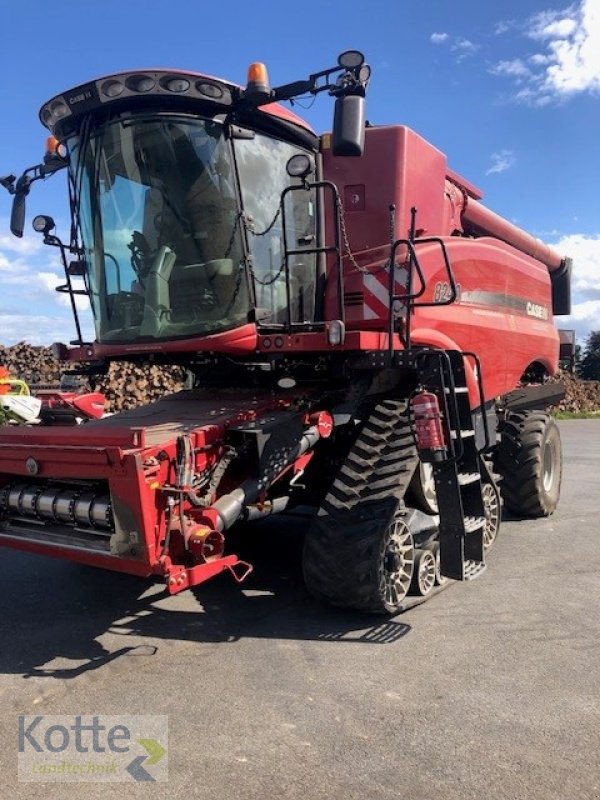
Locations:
(589, 365)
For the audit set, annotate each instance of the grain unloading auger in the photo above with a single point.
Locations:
(356, 321)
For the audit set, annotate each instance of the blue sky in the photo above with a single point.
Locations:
(510, 91)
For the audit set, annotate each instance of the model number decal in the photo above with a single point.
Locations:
(443, 292)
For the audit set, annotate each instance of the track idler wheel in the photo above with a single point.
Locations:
(424, 574)
(491, 508)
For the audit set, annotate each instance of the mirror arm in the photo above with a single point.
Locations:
(32, 174)
(290, 90)
(51, 165)
(22, 187)
(310, 86)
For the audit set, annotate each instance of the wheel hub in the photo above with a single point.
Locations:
(548, 466)
(398, 562)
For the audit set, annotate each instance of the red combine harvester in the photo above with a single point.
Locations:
(357, 324)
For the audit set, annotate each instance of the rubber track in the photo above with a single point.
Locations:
(519, 463)
(342, 551)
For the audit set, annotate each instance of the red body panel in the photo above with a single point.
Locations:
(504, 309)
(237, 342)
(503, 312)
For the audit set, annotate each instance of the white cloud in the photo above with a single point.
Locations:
(503, 26)
(539, 59)
(514, 69)
(570, 61)
(22, 247)
(50, 280)
(584, 319)
(552, 24)
(34, 329)
(501, 161)
(585, 252)
(461, 47)
(464, 48)
(30, 308)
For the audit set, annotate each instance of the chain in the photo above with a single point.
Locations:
(268, 281)
(274, 276)
(233, 233)
(270, 225)
(346, 243)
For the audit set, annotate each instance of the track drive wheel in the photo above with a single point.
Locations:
(373, 574)
(529, 459)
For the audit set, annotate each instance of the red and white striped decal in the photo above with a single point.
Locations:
(376, 293)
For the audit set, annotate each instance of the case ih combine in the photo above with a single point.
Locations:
(357, 324)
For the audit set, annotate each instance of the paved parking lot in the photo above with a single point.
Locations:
(489, 690)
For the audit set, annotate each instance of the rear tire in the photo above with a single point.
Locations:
(529, 459)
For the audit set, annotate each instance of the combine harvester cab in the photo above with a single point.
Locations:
(355, 321)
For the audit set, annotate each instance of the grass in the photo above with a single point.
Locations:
(576, 415)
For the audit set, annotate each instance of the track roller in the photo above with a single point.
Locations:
(424, 573)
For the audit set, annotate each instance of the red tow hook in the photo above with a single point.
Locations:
(180, 578)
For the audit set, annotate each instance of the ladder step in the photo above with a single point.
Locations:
(466, 434)
(473, 524)
(473, 569)
(457, 390)
(465, 478)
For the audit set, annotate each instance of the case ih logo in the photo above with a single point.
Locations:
(96, 749)
(534, 310)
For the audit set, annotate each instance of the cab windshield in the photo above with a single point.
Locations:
(160, 228)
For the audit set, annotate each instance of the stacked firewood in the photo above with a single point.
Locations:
(581, 396)
(35, 365)
(128, 385)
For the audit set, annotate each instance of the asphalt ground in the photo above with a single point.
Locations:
(489, 690)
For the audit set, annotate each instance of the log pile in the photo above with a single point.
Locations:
(581, 397)
(127, 385)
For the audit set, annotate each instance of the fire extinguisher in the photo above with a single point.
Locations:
(429, 432)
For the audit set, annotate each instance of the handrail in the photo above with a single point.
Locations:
(335, 248)
(451, 279)
(479, 380)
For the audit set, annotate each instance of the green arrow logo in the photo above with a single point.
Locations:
(154, 749)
